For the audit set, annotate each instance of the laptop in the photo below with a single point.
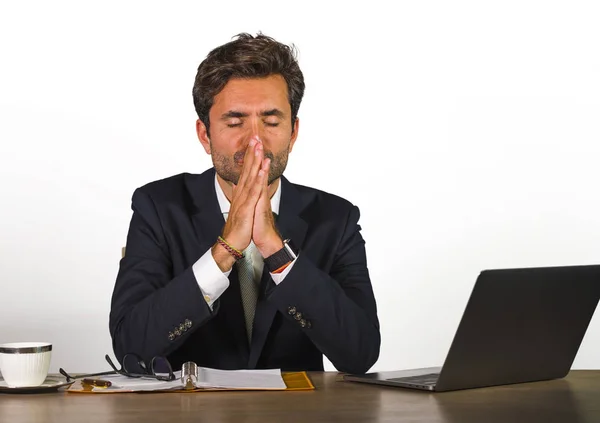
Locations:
(519, 325)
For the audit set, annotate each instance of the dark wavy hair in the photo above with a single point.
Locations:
(247, 57)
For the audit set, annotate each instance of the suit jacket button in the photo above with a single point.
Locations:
(188, 323)
(292, 310)
(182, 328)
(308, 324)
(298, 316)
(177, 332)
(303, 323)
(171, 336)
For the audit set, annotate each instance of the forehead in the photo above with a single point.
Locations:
(253, 93)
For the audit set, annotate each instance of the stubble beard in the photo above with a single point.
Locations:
(227, 168)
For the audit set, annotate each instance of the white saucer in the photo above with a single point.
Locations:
(52, 383)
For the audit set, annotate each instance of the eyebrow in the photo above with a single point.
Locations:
(273, 112)
(234, 114)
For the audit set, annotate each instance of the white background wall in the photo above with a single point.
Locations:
(466, 132)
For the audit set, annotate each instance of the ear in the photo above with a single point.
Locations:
(203, 135)
(294, 134)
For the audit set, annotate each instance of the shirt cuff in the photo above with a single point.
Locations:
(210, 279)
(279, 277)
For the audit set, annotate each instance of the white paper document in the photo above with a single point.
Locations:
(207, 379)
(240, 379)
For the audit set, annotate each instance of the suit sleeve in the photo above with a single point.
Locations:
(152, 311)
(337, 311)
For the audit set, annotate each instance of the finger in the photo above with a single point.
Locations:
(264, 172)
(248, 161)
(261, 179)
(259, 155)
(266, 167)
(248, 170)
(260, 182)
(249, 193)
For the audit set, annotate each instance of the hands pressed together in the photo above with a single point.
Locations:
(250, 216)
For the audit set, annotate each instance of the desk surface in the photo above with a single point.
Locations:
(574, 399)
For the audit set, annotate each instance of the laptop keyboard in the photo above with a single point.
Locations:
(428, 379)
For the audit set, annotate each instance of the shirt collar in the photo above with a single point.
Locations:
(224, 202)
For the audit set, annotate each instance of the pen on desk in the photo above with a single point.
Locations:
(98, 383)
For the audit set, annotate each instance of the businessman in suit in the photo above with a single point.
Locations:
(237, 268)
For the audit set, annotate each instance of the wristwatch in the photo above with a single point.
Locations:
(288, 253)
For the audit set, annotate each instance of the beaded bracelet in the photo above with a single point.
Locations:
(231, 250)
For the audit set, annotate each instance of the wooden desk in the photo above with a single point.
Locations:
(575, 399)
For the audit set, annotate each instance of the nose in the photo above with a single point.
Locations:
(256, 129)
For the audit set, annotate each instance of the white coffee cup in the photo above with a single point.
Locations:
(25, 363)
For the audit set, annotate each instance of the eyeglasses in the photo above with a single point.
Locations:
(134, 366)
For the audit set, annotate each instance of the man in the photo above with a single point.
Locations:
(237, 267)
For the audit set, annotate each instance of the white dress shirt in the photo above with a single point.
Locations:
(211, 280)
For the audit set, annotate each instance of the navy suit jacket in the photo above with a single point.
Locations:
(325, 304)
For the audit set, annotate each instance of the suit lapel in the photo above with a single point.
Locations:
(206, 215)
(290, 225)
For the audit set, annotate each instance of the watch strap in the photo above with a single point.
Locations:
(287, 254)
